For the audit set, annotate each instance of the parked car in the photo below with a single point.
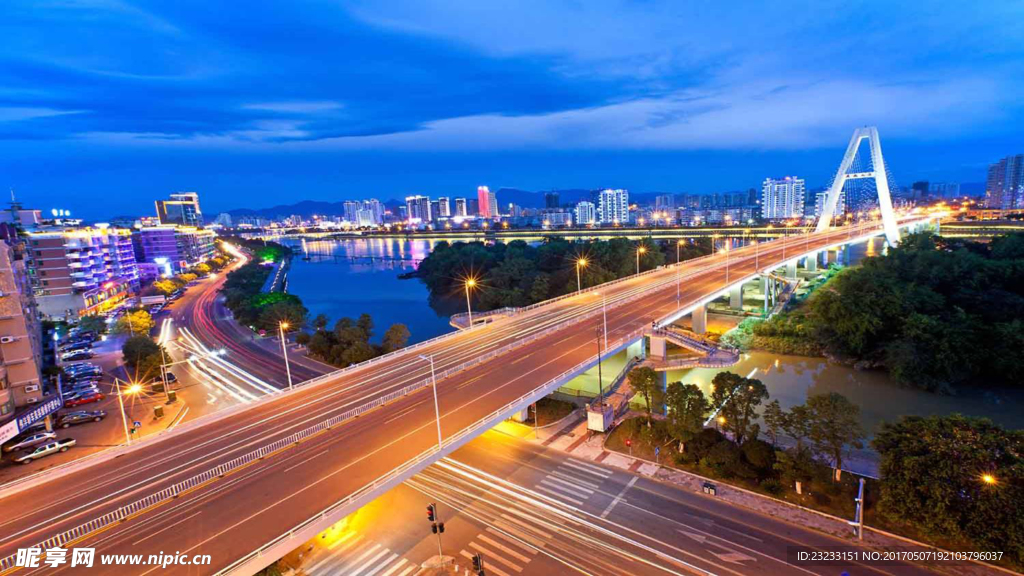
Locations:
(82, 391)
(83, 380)
(80, 417)
(75, 347)
(45, 450)
(83, 368)
(86, 398)
(29, 441)
(78, 355)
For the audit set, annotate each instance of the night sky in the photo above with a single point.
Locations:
(106, 105)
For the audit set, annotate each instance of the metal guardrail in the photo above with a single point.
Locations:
(461, 319)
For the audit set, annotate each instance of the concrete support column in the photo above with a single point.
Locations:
(766, 288)
(658, 348)
(791, 269)
(637, 349)
(736, 297)
(841, 255)
(811, 262)
(522, 416)
(699, 319)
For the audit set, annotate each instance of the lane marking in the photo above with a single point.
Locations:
(618, 498)
(166, 528)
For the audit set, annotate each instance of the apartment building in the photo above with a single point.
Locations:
(176, 248)
(20, 344)
(81, 271)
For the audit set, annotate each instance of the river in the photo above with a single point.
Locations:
(340, 279)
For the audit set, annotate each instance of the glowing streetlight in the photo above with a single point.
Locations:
(721, 421)
(641, 249)
(133, 389)
(284, 350)
(580, 263)
(988, 479)
(470, 283)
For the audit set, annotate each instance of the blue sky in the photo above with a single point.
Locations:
(106, 105)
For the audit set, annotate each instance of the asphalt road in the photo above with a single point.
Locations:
(231, 516)
(531, 510)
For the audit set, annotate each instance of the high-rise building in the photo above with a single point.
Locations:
(176, 248)
(349, 209)
(20, 333)
(376, 210)
(782, 198)
(83, 271)
(444, 207)
(664, 202)
(460, 207)
(1004, 189)
(819, 203)
(181, 209)
(488, 202)
(551, 200)
(944, 189)
(224, 219)
(418, 208)
(613, 206)
(585, 213)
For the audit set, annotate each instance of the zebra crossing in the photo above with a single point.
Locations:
(353, 555)
(503, 555)
(573, 481)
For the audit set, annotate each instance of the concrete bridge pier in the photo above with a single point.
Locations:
(522, 416)
(637, 349)
(841, 255)
(791, 269)
(658, 347)
(736, 297)
(767, 287)
(811, 262)
(699, 319)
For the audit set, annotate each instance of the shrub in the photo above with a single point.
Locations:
(772, 486)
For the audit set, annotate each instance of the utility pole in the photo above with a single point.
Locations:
(436, 526)
(600, 380)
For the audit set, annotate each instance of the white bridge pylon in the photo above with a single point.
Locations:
(892, 233)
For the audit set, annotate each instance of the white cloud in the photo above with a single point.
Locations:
(296, 107)
(12, 114)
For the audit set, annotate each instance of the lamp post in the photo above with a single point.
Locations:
(604, 315)
(437, 407)
(133, 389)
(725, 249)
(639, 250)
(678, 244)
(470, 283)
(580, 263)
(166, 365)
(284, 350)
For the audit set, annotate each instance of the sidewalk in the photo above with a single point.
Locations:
(572, 437)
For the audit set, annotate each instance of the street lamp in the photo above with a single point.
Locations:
(437, 407)
(133, 389)
(604, 315)
(639, 250)
(725, 249)
(284, 350)
(678, 244)
(988, 479)
(470, 283)
(581, 263)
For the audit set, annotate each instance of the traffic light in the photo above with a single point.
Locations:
(430, 512)
(629, 442)
(437, 527)
(478, 564)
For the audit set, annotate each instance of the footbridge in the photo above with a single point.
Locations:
(248, 484)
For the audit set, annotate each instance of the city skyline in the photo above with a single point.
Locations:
(685, 102)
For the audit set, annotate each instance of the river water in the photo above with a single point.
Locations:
(340, 279)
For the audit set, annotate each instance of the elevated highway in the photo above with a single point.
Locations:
(249, 483)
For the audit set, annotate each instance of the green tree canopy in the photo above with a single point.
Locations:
(739, 398)
(834, 425)
(687, 408)
(645, 381)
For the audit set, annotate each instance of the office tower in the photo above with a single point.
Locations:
(460, 207)
(613, 206)
(487, 202)
(474, 207)
(585, 213)
(551, 200)
(782, 198)
(444, 209)
(349, 209)
(664, 202)
(944, 189)
(182, 208)
(418, 208)
(435, 210)
(1004, 189)
(176, 248)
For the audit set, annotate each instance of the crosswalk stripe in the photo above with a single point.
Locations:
(341, 540)
(394, 568)
(571, 478)
(335, 553)
(508, 538)
(504, 548)
(408, 570)
(602, 474)
(530, 529)
(570, 485)
(596, 469)
(495, 557)
(532, 539)
(560, 495)
(373, 549)
(380, 565)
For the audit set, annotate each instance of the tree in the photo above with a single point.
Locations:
(396, 337)
(143, 356)
(271, 316)
(95, 324)
(186, 277)
(738, 398)
(166, 286)
(202, 268)
(797, 424)
(774, 419)
(834, 425)
(320, 322)
(644, 381)
(135, 322)
(686, 410)
(933, 476)
(357, 352)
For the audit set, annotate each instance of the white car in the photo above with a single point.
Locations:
(46, 450)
